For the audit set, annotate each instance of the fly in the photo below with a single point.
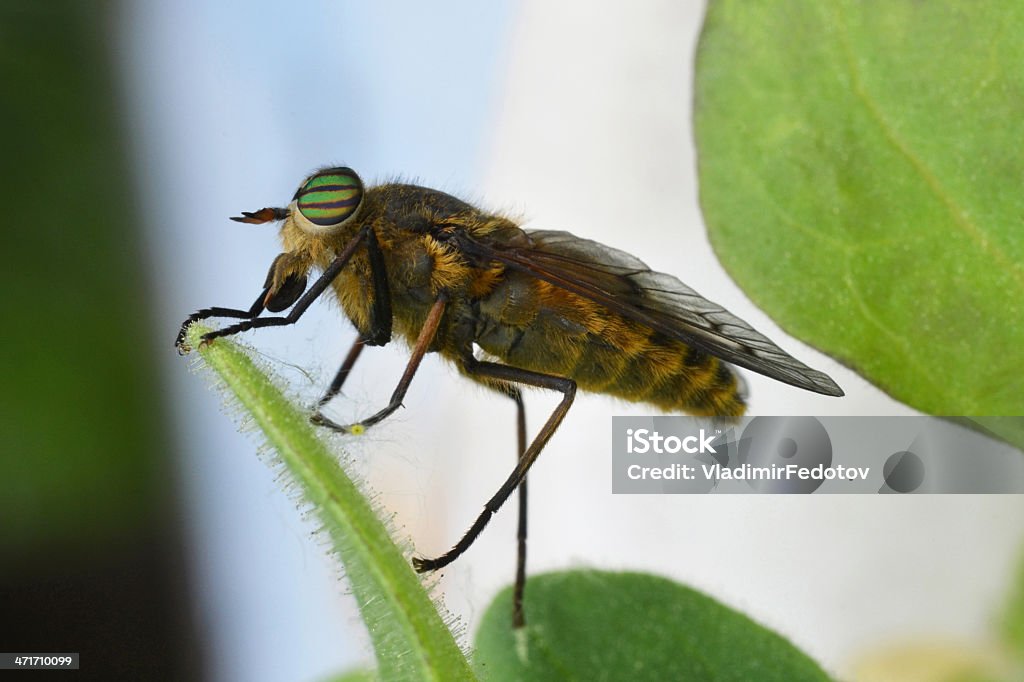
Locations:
(508, 307)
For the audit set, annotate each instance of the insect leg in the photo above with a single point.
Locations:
(304, 301)
(343, 372)
(518, 620)
(380, 325)
(426, 337)
(254, 310)
(380, 312)
(567, 387)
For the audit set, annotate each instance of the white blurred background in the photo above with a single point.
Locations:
(522, 107)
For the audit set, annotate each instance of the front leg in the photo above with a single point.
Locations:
(423, 342)
(314, 292)
(254, 310)
(286, 280)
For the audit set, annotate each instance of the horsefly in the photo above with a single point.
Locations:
(508, 307)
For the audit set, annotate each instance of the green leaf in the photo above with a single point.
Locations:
(1013, 614)
(95, 481)
(862, 180)
(410, 638)
(593, 625)
(1010, 429)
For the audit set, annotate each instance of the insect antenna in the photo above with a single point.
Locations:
(264, 215)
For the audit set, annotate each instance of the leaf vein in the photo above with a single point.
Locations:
(909, 357)
(960, 217)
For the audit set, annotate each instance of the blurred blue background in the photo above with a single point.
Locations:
(231, 106)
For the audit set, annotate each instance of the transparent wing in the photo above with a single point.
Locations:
(628, 287)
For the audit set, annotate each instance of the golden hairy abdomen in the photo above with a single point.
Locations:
(534, 325)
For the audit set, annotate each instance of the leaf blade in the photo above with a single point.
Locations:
(410, 638)
(858, 181)
(601, 625)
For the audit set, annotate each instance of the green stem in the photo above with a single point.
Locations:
(409, 636)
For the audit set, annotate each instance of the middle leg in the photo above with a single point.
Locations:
(423, 342)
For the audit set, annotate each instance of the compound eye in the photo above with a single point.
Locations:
(330, 197)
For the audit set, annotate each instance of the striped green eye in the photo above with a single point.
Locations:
(330, 197)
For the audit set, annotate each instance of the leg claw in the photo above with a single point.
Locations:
(352, 429)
